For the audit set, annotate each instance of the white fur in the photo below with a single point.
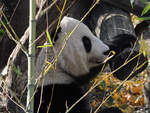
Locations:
(4, 71)
(74, 59)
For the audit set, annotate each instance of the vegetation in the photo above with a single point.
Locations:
(127, 95)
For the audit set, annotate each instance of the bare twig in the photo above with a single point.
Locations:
(26, 35)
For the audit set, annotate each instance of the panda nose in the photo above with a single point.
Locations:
(107, 52)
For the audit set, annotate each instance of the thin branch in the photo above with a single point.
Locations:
(26, 35)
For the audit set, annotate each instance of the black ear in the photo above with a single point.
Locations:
(54, 35)
(87, 44)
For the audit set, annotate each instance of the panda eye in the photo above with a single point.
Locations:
(87, 44)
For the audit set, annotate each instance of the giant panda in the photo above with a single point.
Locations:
(79, 62)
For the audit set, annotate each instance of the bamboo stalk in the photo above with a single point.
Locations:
(31, 58)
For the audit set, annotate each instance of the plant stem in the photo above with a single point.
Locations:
(31, 58)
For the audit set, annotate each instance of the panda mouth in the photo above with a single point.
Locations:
(95, 61)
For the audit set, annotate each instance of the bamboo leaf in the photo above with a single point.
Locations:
(146, 9)
(143, 45)
(143, 18)
(45, 46)
(48, 68)
(148, 53)
(2, 32)
(144, 53)
(49, 37)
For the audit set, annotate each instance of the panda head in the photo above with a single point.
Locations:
(83, 50)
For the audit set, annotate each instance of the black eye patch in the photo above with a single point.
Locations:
(87, 44)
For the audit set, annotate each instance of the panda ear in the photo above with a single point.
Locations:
(54, 35)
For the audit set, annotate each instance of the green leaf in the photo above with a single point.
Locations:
(143, 18)
(144, 1)
(45, 46)
(146, 9)
(102, 84)
(124, 106)
(143, 48)
(148, 53)
(49, 37)
(2, 32)
(17, 70)
(110, 101)
(132, 2)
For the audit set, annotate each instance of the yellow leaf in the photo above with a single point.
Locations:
(48, 68)
(143, 46)
(49, 37)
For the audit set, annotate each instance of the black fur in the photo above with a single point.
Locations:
(63, 97)
(121, 42)
(87, 44)
(126, 47)
(54, 35)
(83, 79)
(111, 110)
(130, 67)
